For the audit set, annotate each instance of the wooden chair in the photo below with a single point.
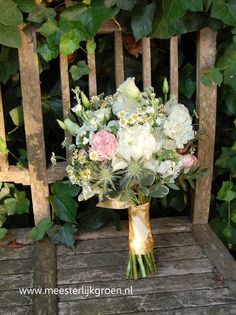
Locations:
(202, 265)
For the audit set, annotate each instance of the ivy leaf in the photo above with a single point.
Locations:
(125, 4)
(9, 64)
(47, 51)
(10, 36)
(230, 101)
(3, 233)
(233, 215)
(225, 193)
(91, 17)
(70, 42)
(95, 218)
(62, 235)
(48, 28)
(187, 84)
(2, 216)
(227, 61)
(38, 232)
(41, 13)
(225, 11)
(77, 71)
(5, 191)
(19, 204)
(64, 189)
(17, 116)
(227, 158)
(212, 75)
(26, 5)
(9, 13)
(141, 19)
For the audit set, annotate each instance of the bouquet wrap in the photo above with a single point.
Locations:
(140, 234)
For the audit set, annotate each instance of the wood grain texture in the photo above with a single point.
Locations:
(157, 301)
(119, 58)
(14, 298)
(7, 253)
(10, 267)
(19, 310)
(16, 281)
(92, 74)
(114, 273)
(45, 277)
(174, 67)
(147, 67)
(120, 243)
(149, 285)
(3, 156)
(65, 92)
(32, 107)
(206, 107)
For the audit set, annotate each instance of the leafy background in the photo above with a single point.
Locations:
(71, 30)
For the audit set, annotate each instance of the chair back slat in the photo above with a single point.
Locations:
(3, 156)
(92, 81)
(146, 58)
(33, 117)
(174, 64)
(119, 58)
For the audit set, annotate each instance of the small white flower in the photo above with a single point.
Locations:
(53, 159)
(77, 109)
(93, 156)
(85, 140)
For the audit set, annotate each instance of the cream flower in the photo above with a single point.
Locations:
(129, 89)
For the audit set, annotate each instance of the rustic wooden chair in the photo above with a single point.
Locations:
(191, 256)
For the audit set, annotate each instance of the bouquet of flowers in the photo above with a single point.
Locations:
(128, 148)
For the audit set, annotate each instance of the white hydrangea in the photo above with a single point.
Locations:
(134, 143)
(178, 125)
(165, 168)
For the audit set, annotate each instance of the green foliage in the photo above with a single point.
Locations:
(62, 235)
(12, 201)
(212, 75)
(77, 71)
(187, 84)
(38, 232)
(8, 63)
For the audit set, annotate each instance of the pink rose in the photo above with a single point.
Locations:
(189, 160)
(104, 145)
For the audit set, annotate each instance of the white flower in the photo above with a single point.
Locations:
(87, 193)
(85, 140)
(77, 109)
(124, 104)
(53, 159)
(134, 143)
(129, 89)
(93, 156)
(165, 168)
(102, 114)
(178, 125)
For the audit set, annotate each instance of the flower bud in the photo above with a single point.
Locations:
(129, 89)
(84, 99)
(165, 87)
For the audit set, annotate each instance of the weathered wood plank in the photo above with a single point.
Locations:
(14, 298)
(145, 286)
(45, 277)
(174, 67)
(31, 96)
(146, 56)
(157, 302)
(3, 156)
(16, 281)
(112, 273)
(206, 107)
(119, 58)
(10, 267)
(109, 26)
(21, 235)
(159, 226)
(217, 253)
(120, 258)
(15, 253)
(229, 309)
(65, 91)
(92, 74)
(19, 310)
(121, 243)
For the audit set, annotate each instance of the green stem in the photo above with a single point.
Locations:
(134, 266)
(141, 265)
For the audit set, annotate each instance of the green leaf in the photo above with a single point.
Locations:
(48, 28)
(9, 13)
(64, 208)
(8, 63)
(230, 100)
(10, 36)
(17, 116)
(77, 71)
(70, 42)
(158, 190)
(3, 147)
(5, 191)
(62, 235)
(227, 62)
(3, 233)
(147, 178)
(47, 52)
(141, 19)
(173, 186)
(125, 4)
(225, 193)
(26, 5)
(2, 217)
(90, 17)
(41, 13)
(212, 75)
(233, 215)
(64, 189)
(90, 46)
(17, 205)
(95, 218)
(38, 232)
(187, 81)
(227, 159)
(225, 11)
